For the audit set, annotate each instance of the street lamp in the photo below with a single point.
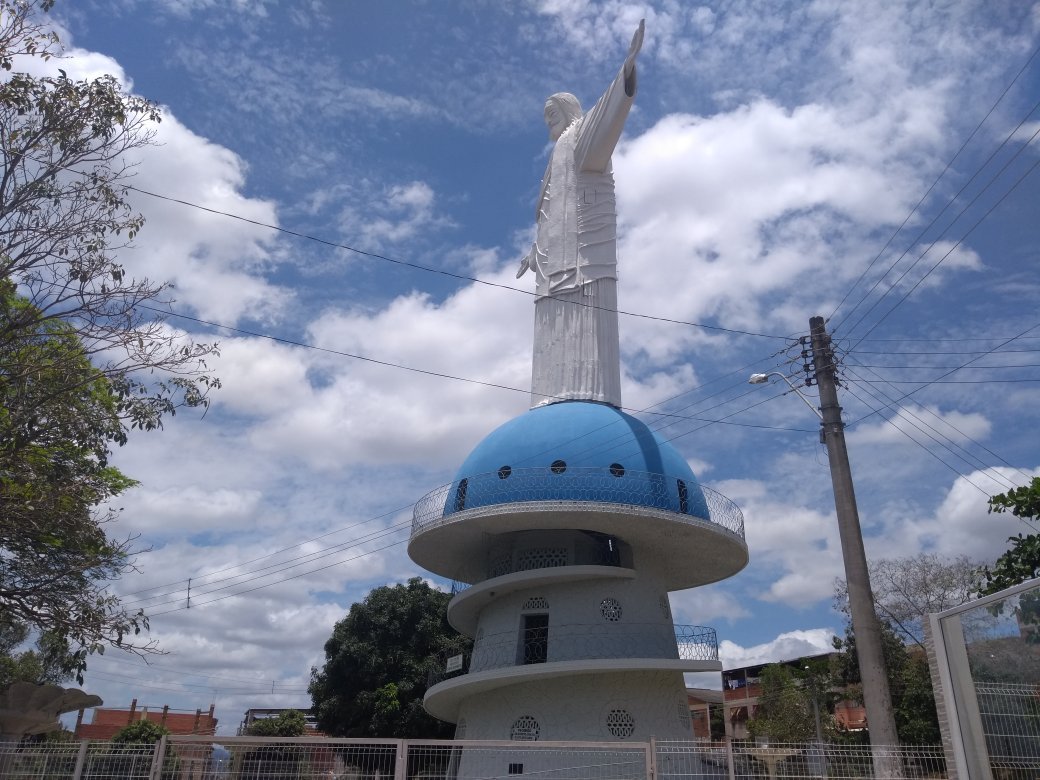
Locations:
(865, 624)
(761, 379)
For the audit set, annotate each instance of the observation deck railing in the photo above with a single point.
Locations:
(579, 642)
(689, 501)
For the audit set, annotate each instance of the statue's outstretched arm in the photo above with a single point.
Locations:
(601, 128)
(629, 68)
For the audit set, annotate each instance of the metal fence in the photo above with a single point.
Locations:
(312, 758)
(582, 484)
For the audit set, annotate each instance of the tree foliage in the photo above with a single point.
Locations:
(377, 664)
(58, 417)
(784, 712)
(140, 732)
(83, 356)
(1022, 561)
(48, 660)
(290, 723)
(909, 683)
(907, 589)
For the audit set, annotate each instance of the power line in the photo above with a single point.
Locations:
(952, 249)
(977, 443)
(949, 164)
(943, 376)
(928, 430)
(429, 269)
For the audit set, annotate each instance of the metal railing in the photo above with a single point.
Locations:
(580, 642)
(690, 502)
(316, 758)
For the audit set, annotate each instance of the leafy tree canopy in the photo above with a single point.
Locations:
(1022, 561)
(784, 712)
(377, 664)
(909, 682)
(49, 660)
(290, 723)
(84, 358)
(906, 589)
(140, 732)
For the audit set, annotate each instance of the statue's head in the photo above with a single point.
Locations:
(561, 110)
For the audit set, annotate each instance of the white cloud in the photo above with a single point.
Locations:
(924, 424)
(787, 646)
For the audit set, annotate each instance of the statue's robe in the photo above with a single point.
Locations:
(576, 354)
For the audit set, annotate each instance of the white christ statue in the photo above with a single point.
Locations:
(574, 256)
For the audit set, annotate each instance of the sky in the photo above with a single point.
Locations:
(871, 163)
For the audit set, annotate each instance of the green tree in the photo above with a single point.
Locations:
(84, 358)
(58, 417)
(784, 712)
(290, 723)
(140, 732)
(378, 661)
(907, 589)
(1022, 561)
(909, 682)
(48, 660)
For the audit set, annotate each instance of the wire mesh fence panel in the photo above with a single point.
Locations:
(472, 760)
(75, 760)
(302, 758)
(680, 760)
(41, 761)
(1011, 718)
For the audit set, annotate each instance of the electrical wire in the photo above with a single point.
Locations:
(952, 249)
(947, 423)
(917, 206)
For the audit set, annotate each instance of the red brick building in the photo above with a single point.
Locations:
(107, 721)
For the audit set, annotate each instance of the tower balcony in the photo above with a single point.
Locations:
(510, 657)
(693, 535)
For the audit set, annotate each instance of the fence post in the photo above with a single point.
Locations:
(401, 763)
(81, 760)
(729, 758)
(651, 758)
(158, 757)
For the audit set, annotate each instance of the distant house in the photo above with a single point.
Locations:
(258, 713)
(739, 697)
(106, 721)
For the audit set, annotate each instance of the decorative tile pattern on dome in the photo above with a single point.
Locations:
(525, 729)
(610, 609)
(536, 602)
(542, 558)
(620, 723)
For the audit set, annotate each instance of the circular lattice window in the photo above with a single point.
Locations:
(525, 729)
(504, 472)
(536, 602)
(558, 466)
(610, 609)
(617, 469)
(620, 723)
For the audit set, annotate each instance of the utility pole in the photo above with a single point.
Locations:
(865, 625)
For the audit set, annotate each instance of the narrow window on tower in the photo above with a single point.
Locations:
(534, 639)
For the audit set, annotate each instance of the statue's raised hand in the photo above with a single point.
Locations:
(637, 44)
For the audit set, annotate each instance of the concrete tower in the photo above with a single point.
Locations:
(566, 528)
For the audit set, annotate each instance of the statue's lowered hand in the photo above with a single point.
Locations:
(525, 264)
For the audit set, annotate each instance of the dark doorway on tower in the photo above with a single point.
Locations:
(534, 639)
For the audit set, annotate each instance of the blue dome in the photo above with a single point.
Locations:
(580, 451)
